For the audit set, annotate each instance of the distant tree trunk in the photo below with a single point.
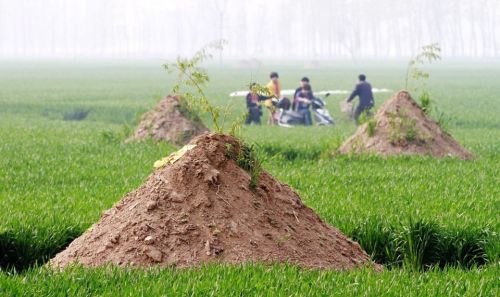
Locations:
(494, 27)
(220, 8)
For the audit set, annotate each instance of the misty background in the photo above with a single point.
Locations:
(258, 29)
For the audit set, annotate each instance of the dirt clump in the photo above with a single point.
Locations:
(170, 120)
(401, 127)
(200, 207)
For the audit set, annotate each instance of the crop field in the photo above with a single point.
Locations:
(433, 223)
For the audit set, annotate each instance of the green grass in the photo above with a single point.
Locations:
(250, 280)
(57, 176)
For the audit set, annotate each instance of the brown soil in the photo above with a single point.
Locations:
(402, 128)
(168, 122)
(201, 209)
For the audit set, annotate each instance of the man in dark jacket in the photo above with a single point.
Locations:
(364, 91)
(303, 82)
(304, 99)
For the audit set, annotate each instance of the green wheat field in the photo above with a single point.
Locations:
(433, 223)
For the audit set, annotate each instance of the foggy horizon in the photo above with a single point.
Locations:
(260, 30)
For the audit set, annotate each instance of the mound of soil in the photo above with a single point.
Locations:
(169, 121)
(401, 127)
(200, 208)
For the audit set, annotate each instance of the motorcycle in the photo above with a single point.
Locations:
(289, 118)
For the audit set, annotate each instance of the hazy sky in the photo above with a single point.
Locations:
(256, 29)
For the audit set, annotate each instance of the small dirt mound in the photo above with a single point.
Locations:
(201, 208)
(169, 121)
(400, 127)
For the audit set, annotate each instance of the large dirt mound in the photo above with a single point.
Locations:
(400, 127)
(201, 209)
(169, 121)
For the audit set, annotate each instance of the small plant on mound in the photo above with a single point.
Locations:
(189, 90)
(247, 160)
(429, 54)
(414, 74)
(425, 101)
(193, 101)
(411, 132)
(191, 83)
(246, 157)
(370, 128)
(395, 135)
(416, 80)
(366, 117)
(402, 129)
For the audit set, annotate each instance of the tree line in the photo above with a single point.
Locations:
(313, 29)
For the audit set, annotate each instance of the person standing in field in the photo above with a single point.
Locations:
(254, 107)
(304, 99)
(274, 88)
(303, 82)
(363, 90)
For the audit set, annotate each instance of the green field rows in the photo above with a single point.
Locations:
(250, 280)
(57, 176)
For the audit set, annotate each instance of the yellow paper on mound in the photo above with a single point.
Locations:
(173, 157)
